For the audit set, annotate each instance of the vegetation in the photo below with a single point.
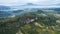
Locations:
(30, 23)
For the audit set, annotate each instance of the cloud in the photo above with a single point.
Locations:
(20, 2)
(48, 2)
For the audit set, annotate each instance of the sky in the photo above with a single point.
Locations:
(38, 2)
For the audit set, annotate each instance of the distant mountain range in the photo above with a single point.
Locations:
(4, 7)
(4, 14)
(30, 4)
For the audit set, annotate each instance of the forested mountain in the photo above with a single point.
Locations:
(31, 21)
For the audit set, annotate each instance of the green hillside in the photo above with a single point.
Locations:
(38, 22)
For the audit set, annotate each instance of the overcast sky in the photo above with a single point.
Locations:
(22, 2)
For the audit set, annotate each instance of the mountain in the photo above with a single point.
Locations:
(4, 14)
(30, 4)
(4, 7)
(57, 4)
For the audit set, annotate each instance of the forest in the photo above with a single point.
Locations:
(33, 22)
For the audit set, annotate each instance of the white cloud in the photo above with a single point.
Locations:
(48, 2)
(19, 2)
